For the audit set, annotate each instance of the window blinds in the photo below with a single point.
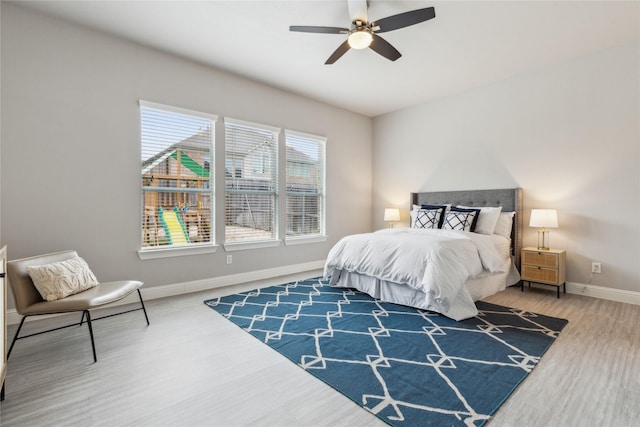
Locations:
(305, 184)
(251, 181)
(177, 176)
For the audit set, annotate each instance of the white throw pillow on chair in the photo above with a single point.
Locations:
(60, 279)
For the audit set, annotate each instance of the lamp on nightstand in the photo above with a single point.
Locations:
(543, 218)
(391, 215)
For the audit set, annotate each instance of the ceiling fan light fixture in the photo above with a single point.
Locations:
(363, 34)
(360, 39)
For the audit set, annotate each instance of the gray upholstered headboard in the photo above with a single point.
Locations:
(510, 199)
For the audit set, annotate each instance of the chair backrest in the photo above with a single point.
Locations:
(25, 293)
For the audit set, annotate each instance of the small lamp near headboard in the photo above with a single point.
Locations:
(543, 218)
(391, 215)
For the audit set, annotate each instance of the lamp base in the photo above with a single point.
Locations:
(543, 240)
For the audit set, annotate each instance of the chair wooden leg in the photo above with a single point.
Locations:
(16, 336)
(143, 307)
(93, 345)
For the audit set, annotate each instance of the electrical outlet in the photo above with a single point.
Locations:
(229, 259)
(596, 267)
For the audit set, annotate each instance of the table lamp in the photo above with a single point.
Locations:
(391, 215)
(543, 218)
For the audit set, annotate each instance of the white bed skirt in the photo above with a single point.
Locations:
(479, 288)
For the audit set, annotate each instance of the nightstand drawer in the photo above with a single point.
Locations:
(539, 274)
(547, 267)
(541, 259)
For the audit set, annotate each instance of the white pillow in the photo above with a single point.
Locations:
(60, 279)
(487, 220)
(413, 214)
(504, 224)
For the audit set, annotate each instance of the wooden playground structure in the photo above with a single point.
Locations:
(176, 209)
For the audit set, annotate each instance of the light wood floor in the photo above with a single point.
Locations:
(191, 367)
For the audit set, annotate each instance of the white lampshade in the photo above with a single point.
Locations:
(392, 214)
(360, 39)
(543, 218)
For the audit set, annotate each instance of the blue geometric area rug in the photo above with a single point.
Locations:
(409, 367)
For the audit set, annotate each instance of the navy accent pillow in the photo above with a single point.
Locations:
(475, 218)
(441, 208)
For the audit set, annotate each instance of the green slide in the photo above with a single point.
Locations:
(191, 164)
(173, 226)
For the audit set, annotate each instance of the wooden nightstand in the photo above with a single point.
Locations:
(546, 267)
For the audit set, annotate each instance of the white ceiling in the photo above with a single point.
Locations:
(467, 44)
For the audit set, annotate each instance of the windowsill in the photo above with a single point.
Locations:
(176, 251)
(242, 246)
(304, 240)
(169, 252)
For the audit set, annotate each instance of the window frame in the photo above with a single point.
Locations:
(165, 251)
(275, 240)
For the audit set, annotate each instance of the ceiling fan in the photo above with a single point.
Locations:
(364, 34)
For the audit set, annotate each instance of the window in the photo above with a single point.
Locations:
(233, 167)
(305, 184)
(260, 162)
(251, 184)
(177, 178)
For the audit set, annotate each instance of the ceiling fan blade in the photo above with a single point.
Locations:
(358, 10)
(384, 48)
(405, 19)
(323, 30)
(341, 50)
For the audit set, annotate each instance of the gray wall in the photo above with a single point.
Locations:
(71, 151)
(568, 134)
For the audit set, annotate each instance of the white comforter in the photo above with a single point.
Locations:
(436, 262)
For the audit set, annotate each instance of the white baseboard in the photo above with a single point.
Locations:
(612, 294)
(156, 292)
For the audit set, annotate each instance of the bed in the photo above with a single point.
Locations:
(454, 268)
